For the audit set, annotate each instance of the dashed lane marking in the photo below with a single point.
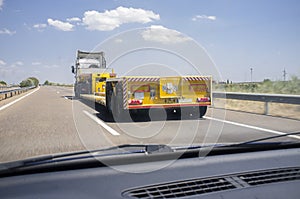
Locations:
(101, 123)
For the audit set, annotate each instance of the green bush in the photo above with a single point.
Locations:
(46, 82)
(3, 83)
(35, 81)
(31, 81)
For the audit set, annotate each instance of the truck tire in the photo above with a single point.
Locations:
(140, 115)
(118, 112)
(173, 113)
(116, 109)
(108, 98)
(77, 95)
(202, 110)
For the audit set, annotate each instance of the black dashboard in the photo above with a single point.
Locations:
(265, 174)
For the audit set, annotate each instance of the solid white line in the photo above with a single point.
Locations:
(11, 103)
(252, 127)
(100, 122)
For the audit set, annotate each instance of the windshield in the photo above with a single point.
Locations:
(98, 74)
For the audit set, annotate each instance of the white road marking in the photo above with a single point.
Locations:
(100, 122)
(11, 103)
(252, 127)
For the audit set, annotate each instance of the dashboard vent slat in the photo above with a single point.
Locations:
(200, 186)
(180, 189)
(271, 176)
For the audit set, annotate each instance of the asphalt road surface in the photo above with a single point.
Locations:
(49, 120)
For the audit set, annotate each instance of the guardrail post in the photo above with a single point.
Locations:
(266, 108)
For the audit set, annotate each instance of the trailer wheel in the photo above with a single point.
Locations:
(118, 112)
(202, 110)
(108, 97)
(77, 94)
(116, 109)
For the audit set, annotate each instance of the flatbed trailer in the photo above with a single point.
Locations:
(190, 94)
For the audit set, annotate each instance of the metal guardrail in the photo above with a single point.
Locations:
(9, 93)
(274, 98)
(3, 88)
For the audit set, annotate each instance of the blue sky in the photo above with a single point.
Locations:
(40, 37)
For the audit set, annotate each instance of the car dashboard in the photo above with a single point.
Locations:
(264, 174)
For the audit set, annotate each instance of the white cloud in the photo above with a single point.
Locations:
(2, 63)
(198, 17)
(212, 18)
(19, 63)
(1, 4)
(163, 35)
(40, 27)
(111, 19)
(5, 31)
(36, 63)
(73, 19)
(64, 26)
(51, 66)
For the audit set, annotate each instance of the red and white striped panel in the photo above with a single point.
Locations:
(143, 79)
(125, 96)
(191, 78)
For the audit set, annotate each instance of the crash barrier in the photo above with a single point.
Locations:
(266, 98)
(4, 94)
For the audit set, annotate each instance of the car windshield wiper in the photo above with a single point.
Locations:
(110, 151)
(88, 157)
(257, 141)
(244, 144)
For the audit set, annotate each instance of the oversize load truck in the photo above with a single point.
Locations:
(188, 95)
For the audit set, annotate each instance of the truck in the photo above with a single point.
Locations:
(185, 95)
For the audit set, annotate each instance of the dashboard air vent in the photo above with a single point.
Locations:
(200, 186)
(181, 189)
(270, 176)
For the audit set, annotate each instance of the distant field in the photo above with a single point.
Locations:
(277, 87)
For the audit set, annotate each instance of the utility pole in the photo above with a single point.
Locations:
(251, 70)
(284, 74)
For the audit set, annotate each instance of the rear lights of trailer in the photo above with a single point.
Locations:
(203, 99)
(111, 75)
(135, 102)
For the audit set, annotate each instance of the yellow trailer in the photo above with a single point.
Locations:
(189, 94)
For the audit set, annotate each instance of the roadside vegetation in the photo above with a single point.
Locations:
(31, 81)
(47, 83)
(267, 86)
(3, 83)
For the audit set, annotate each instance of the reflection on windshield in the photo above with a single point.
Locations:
(108, 74)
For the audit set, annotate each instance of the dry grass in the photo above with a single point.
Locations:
(275, 109)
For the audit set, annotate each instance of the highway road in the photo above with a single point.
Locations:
(49, 120)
